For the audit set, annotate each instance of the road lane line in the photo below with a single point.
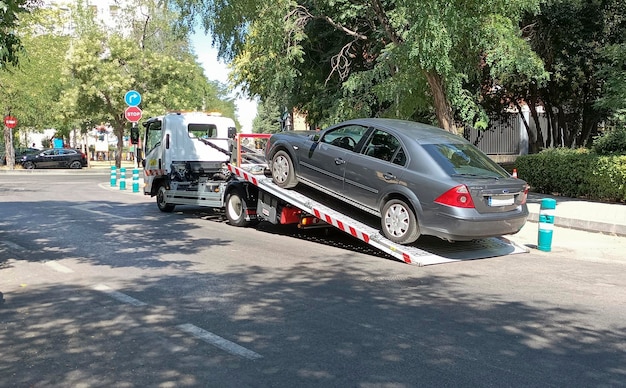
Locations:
(219, 342)
(90, 208)
(118, 295)
(59, 267)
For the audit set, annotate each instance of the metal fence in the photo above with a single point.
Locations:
(503, 136)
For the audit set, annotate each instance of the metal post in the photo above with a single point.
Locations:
(546, 224)
(135, 180)
(113, 176)
(123, 178)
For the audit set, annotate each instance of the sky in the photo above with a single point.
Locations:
(217, 71)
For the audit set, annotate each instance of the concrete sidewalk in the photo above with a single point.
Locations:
(580, 214)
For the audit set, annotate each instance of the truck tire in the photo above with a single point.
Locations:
(283, 173)
(399, 222)
(235, 209)
(161, 200)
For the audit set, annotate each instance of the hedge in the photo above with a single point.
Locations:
(575, 173)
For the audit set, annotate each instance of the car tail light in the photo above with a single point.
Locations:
(458, 196)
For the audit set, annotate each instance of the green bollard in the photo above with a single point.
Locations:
(123, 178)
(113, 176)
(546, 224)
(135, 180)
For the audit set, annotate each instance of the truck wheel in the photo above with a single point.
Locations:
(399, 223)
(161, 200)
(283, 173)
(235, 209)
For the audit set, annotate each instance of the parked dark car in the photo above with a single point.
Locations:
(419, 179)
(19, 152)
(54, 158)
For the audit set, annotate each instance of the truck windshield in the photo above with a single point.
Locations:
(153, 135)
(202, 131)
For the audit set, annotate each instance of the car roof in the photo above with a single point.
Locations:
(422, 133)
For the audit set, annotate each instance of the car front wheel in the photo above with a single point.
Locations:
(399, 222)
(28, 165)
(283, 173)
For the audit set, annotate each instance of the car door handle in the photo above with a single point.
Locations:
(389, 176)
(339, 161)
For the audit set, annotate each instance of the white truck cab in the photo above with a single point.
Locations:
(186, 152)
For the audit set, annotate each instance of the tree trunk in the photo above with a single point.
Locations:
(443, 110)
(10, 152)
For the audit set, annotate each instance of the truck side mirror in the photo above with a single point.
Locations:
(232, 132)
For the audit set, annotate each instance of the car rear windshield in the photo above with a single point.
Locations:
(464, 160)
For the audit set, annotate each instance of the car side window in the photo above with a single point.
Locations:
(384, 146)
(347, 137)
(48, 153)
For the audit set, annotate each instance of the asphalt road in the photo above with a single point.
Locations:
(103, 290)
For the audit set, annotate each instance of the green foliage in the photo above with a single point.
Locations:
(267, 118)
(154, 59)
(10, 43)
(581, 44)
(31, 90)
(338, 59)
(613, 141)
(614, 73)
(575, 173)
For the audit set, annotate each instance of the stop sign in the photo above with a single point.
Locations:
(132, 114)
(10, 121)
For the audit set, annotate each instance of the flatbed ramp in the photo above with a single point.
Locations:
(426, 251)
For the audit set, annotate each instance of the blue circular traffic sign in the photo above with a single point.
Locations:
(132, 98)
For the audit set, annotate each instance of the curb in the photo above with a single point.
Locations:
(584, 225)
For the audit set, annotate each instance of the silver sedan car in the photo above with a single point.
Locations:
(419, 179)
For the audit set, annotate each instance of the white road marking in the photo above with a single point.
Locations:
(219, 342)
(89, 208)
(58, 267)
(118, 295)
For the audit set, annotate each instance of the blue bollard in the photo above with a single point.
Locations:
(113, 176)
(546, 224)
(135, 180)
(123, 178)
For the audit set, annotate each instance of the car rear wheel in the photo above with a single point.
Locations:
(399, 222)
(28, 165)
(161, 200)
(76, 164)
(283, 173)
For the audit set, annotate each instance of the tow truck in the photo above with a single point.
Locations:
(197, 158)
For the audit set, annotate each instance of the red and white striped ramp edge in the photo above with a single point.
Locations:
(372, 236)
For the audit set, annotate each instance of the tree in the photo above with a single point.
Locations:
(10, 47)
(103, 65)
(579, 42)
(10, 44)
(268, 118)
(339, 59)
(30, 91)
